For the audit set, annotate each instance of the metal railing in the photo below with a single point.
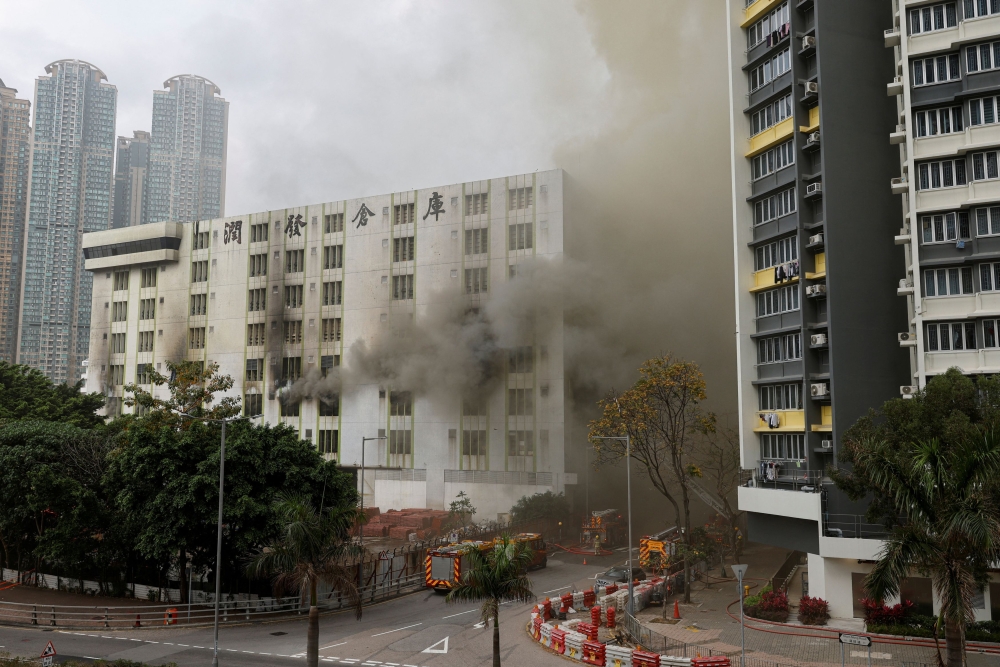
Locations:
(786, 477)
(852, 526)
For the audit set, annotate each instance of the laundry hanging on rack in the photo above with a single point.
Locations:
(772, 419)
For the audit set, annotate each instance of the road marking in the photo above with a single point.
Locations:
(454, 615)
(332, 645)
(554, 590)
(397, 630)
(432, 649)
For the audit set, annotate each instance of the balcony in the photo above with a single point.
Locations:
(820, 272)
(826, 424)
(852, 526)
(892, 37)
(895, 87)
(957, 143)
(771, 137)
(758, 9)
(813, 122)
(789, 421)
(763, 280)
(788, 476)
(775, 501)
(945, 199)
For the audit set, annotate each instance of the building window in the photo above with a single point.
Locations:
(402, 249)
(401, 448)
(196, 338)
(770, 69)
(199, 271)
(293, 296)
(291, 368)
(293, 332)
(333, 257)
(402, 214)
(775, 206)
(939, 121)
(947, 336)
(295, 261)
(147, 309)
(983, 111)
(948, 282)
(984, 166)
(201, 241)
(520, 402)
(117, 373)
(943, 174)
(255, 370)
(768, 26)
(257, 299)
(518, 198)
(775, 253)
(476, 204)
(402, 287)
(117, 343)
(781, 300)
(148, 278)
(774, 160)
(477, 241)
(946, 227)
(119, 311)
(989, 277)
(328, 441)
(474, 449)
(258, 265)
(333, 293)
(520, 236)
(253, 405)
(928, 71)
(934, 17)
(328, 362)
(783, 447)
(978, 8)
(199, 304)
(780, 397)
(400, 404)
(255, 334)
(145, 341)
(143, 373)
(520, 443)
(333, 223)
(776, 349)
(521, 359)
(982, 57)
(258, 233)
(289, 409)
(988, 221)
(329, 408)
(476, 280)
(771, 115)
(331, 329)
(120, 280)
(473, 407)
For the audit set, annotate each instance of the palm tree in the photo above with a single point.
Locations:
(494, 576)
(314, 546)
(948, 503)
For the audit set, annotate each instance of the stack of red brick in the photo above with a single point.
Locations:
(400, 524)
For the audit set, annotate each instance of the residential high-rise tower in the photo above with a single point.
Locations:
(131, 168)
(70, 187)
(187, 159)
(15, 154)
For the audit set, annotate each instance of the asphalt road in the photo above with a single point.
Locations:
(417, 630)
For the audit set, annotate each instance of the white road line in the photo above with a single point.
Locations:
(332, 645)
(231, 650)
(90, 658)
(554, 590)
(397, 630)
(197, 647)
(458, 614)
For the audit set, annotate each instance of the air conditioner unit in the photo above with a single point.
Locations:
(906, 336)
(905, 283)
(812, 88)
(819, 389)
(816, 239)
(808, 42)
(826, 444)
(815, 290)
(813, 138)
(814, 189)
(818, 339)
(907, 391)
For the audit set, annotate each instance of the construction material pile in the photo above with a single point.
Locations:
(406, 524)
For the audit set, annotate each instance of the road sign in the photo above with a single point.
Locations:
(739, 570)
(856, 640)
(50, 650)
(47, 661)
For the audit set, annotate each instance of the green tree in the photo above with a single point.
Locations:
(494, 576)
(931, 465)
(549, 507)
(192, 387)
(27, 395)
(461, 510)
(314, 546)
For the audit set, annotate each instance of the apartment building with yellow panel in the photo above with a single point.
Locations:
(816, 305)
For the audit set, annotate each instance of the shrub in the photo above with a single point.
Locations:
(754, 600)
(773, 606)
(878, 613)
(813, 611)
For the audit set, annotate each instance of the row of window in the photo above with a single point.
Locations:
(934, 17)
(770, 24)
(776, 349)
(771, 115)
(773, 160)
(775, 206)
(770, 69)
(780, 397)
(776, 301)
(783, 446)
(948, 67)
(776, 252)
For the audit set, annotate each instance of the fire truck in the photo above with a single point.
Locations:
(539, 555)
(608, 525)
(444, 566)
(655, 551)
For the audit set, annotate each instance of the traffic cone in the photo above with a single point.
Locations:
(677, 610)
(137, 623)
(584, 560)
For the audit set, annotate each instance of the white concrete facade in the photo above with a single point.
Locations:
(206, 292)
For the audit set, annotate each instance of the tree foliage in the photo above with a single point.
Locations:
(192, 388)
(27, 395)
(549, 507)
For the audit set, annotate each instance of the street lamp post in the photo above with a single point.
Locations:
(739, 571)
(628, 493)
(361, 529)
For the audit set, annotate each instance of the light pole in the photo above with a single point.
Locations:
(739, 571)
(628, 493)
(361, 528)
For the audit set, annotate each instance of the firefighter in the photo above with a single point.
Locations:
(597, 544)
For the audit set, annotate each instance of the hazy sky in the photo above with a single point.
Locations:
(337, 99)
